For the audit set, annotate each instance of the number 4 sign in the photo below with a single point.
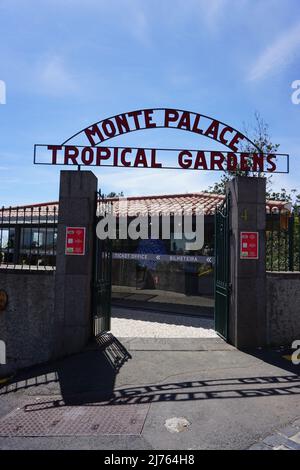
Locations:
(249, 245)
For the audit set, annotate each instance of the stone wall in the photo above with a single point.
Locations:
(26, 325)
(283, 307)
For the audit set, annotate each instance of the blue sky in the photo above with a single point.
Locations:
(69, 63)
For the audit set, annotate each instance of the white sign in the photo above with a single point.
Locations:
(2, 352)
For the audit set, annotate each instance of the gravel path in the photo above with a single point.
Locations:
(148, 324)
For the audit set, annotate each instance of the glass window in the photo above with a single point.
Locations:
(41, 239)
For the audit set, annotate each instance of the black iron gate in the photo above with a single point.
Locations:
(102, 274)
(222, 264)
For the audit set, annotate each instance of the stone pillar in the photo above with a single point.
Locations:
(247, 310)
(72, 322)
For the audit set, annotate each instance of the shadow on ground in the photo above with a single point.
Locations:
(278, 356)
(89, 378)
(86, 377)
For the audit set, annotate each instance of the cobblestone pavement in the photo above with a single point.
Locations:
(287, 438)
(146, 324)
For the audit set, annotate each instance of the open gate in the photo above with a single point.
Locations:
(102, 274)
(222, 264)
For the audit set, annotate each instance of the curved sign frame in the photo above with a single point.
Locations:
(163, 118)
(93, 153)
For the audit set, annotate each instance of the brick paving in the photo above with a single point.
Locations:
(287, 438)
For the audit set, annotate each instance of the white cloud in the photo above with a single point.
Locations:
(276, 56)
(140, 29)
(208, 13)
(134, 182)
(54, 78)
(213, 10)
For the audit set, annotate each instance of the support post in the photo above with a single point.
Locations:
(72, 322)
(247, 309)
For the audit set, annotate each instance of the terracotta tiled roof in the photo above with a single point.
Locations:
(178, 203)
(164, 204)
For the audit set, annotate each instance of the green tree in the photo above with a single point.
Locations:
(113, 194)
(258, 133)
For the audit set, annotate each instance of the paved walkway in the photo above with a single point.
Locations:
(147, 324)
(160, 296)
(131, 394)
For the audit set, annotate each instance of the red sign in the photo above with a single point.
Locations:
(249, 245)
(75, 241)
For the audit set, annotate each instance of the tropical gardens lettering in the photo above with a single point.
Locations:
(154, 158)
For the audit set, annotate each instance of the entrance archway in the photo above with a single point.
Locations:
(93, 153)
(153, 275)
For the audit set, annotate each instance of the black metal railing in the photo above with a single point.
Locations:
(103, 206)
(28, 237)
(283, 241)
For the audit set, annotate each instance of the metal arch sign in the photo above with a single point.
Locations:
(93, 153)
(158, 118)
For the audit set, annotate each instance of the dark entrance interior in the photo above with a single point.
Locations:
(155, 280)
